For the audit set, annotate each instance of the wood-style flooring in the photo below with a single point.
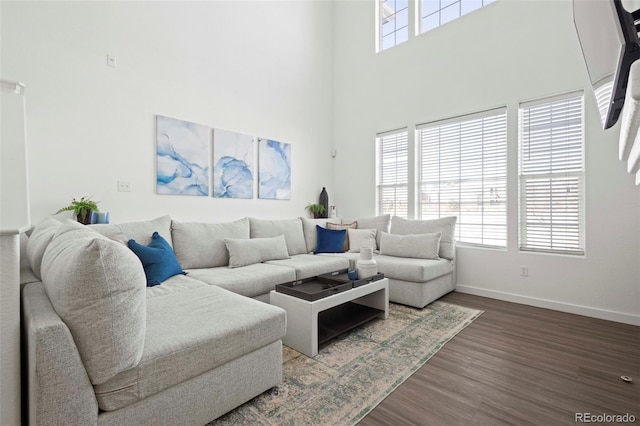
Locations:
(521, 365)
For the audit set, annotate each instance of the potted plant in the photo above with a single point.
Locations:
(82, 209)
(316, 210)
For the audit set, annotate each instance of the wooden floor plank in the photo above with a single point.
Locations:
(518, 365)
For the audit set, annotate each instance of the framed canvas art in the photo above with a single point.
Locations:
(233, 165)
(183, 157)
(274, 172)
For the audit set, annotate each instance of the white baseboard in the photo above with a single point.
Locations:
(551, 304)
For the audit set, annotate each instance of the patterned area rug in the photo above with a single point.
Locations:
(354, 372)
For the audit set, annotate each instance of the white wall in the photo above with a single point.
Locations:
(260, 68)
(507, 52)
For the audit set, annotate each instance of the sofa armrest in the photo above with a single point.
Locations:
(58, 388)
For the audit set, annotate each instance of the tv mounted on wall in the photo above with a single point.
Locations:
(609, 40)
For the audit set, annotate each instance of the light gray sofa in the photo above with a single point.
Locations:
(102, 348)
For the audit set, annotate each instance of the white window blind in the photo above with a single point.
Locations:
(462, 166)
(393, 24)
(392, 173)
(552, 176)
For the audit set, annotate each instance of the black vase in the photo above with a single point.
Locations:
(324, 201)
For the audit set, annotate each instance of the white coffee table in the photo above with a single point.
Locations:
(312, 323)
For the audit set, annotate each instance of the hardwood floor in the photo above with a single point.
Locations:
(521, 365)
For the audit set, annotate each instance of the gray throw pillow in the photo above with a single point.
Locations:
(380, 223)
(419, 246)
(243, 252)
(359, 238)
(445, 225)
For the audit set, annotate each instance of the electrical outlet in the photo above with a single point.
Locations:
(524, 271)
(111, 60)
(124, 186)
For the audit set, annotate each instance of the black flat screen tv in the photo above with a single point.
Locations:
(609, 41)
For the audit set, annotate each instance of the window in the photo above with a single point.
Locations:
(552, 175)
(434, 13)
(392, 173)
(462, 166)
(393, 23)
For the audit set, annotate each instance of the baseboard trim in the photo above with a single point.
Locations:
(551, 304)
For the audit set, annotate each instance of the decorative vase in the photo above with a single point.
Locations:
(324, 201)
(366, 265)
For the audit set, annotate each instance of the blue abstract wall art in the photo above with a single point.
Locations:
(232, 164)
(274, 170)
(184, 153)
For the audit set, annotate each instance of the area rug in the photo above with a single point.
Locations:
(354, 372)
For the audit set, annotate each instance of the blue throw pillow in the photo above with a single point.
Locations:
(330, 240)
(158, 259)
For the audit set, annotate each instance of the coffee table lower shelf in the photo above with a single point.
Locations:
(310, 323)
(341, 318)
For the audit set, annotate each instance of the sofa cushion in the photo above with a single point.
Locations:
(309, 265)
(445, 225)
(201, 245)
(419, 246)
(139, 231)
(290, 228)
(243, 252)
(38, 242)
(359, 238)
(175, 284)
(97, 286)
(190, 333)
(310, 233)
(251, 281)
(411, 269)
(330, 240)
(345, 226)
(158, 260)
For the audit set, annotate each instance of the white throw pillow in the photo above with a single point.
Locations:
(445, 225)
(243, 252)
(419, 246)
(361, 238)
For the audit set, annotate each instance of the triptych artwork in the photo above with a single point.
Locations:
(185, 155)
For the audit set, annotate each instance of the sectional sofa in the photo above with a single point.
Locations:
(104, 347)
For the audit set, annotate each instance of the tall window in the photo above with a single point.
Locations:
(434, 13)
(462, 166)
(393, 23)
(392, 173)
(552, 175)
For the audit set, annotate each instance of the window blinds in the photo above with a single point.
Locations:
(462, 166)
(392, 173)
(552, 176)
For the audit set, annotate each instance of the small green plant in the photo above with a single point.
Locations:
(81, 208)
(316, 210)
